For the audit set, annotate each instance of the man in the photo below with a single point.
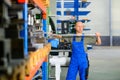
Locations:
(79, 60)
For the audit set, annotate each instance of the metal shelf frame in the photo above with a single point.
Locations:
(71, 4)
(24, 35)
(24, 32)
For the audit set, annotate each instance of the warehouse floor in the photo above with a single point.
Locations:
(104, 64)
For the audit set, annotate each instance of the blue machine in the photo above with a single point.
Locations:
(79, 61)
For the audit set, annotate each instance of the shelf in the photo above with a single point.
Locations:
(80, 13)
(84, 4)
(83, 21)
(70, 35)
(34, 70)
(59, 21)
(86, 29)
(71, 4)
(43, 53)
(40, 4)
(22, 1)
(60, 50)
(7, 2)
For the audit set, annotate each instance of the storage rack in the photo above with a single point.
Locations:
(42, 4)
(75, 5)
(40, 57)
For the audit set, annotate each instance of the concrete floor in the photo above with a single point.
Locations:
(104, 64)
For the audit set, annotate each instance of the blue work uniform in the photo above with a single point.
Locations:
(79, 61)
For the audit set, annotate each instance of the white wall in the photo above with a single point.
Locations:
(52, 7)
(116, 17)
(53, 11)
(99, 16)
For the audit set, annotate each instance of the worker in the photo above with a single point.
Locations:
(79, 59)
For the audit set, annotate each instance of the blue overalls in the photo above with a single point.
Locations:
(79, 61)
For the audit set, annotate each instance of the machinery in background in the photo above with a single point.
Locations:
(35, 29)
(68, 31)
(67, 27)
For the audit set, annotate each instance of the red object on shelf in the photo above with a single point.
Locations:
(22, 1)
(44, 16)
(40, 5)
(46, 59)
(34, 70)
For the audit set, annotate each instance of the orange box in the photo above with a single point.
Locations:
(27, 67)
(31, 59)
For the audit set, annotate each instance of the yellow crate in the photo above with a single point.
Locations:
(18, 72)
(22, 72)
(4, 77)
(46, 3)
(41, 53)
(31, 59)
(37, 55)
(34, 59)
(27, 67)
(44, 53)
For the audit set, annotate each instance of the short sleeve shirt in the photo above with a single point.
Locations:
(88, 40)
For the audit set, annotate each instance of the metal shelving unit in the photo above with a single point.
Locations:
(42, 4)
(24, 32)
(15, 56)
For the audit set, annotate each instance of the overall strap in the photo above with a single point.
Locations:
(82, 38)
(74, 38)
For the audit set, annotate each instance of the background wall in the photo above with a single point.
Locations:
(116, 17)
(116, 22)
(53, 11)
(99, 16)
(100, 19)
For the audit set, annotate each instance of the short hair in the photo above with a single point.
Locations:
(78, 22)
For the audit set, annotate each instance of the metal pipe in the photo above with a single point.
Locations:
(62, 8)
(47, 33)
(70, 35)
(76, 8)
(61, 50)
(110, 23)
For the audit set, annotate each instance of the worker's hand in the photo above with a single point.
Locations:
(98, 39)
(57, 36)
(97, 34)
(54, 35)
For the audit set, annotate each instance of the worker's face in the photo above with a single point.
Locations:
(79, 27)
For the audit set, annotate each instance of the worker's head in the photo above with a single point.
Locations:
(79, 27)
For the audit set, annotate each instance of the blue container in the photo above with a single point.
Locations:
(89, 47)
(54, 42)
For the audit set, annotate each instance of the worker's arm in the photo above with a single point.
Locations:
(54, 35)
(98, 39)
(57, 36)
